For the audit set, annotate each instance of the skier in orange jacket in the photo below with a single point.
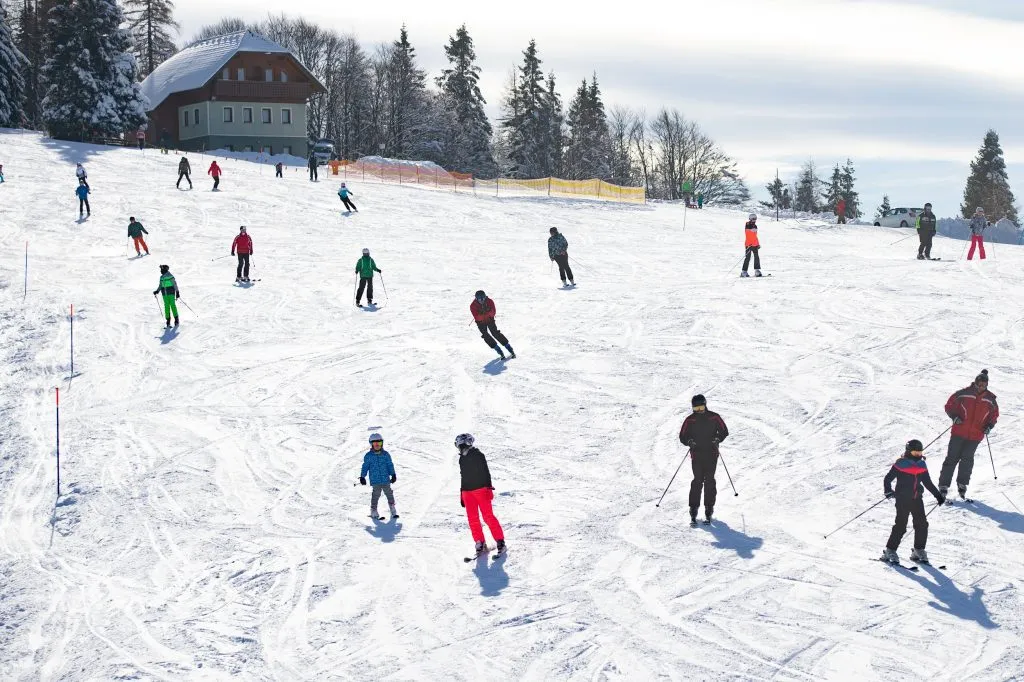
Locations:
(752, 245)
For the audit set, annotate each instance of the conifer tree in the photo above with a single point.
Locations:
(151, 23)
(588, 148)
(847, 179)
(988, 185)
(834, 189)
(807, 188)
(779, 194)
(552, 129)
(405, 100)
(523, 130)
(12, 79)
(884, 208)
(32, 41)
(468, 144)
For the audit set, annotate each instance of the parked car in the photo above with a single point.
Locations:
(323, 150)
(899, 217)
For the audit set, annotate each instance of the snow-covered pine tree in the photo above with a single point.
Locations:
(32, 39)
(12, 77)
(151, 23)
(807, 196)
(524, 136)
(988, 185)
(91, 75)
(884, 208)
(588, 147)
(351, 109)
(775, 191)
(468, 143)
(848, 192)
(552, 129)
(405, 100)
(834, 189)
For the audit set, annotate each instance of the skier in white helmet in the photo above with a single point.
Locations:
(377, 463)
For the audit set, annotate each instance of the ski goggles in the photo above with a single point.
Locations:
(700, 408)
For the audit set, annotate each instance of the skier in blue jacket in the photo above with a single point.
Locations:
(344, 194)
(83, 200)
(377, 463)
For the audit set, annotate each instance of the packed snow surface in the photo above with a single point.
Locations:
(209, 529)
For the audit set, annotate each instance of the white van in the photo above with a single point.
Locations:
(323, 150)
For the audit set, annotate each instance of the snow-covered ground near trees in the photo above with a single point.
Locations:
(209, 528)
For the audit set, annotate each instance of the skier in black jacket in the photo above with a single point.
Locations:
(910, 471)
(702, 431)
(476, 493)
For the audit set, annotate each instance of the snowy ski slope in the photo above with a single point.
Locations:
(210, 530)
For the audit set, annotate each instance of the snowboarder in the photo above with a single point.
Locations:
(140, 136)
(83, 200)
(365, 267)
(841, 212)
(978, 225)
(484, 310)
(243, 244)
(344, 194)
(701, 432)
(974, 412)
(169, 290)
(753, 246)
(313, 175)
(279, 170)
(184, 171)
(926, 228)
(558, 251)
(135, 231)
(83, 178)
(377, 463)
(910, 471)
(215, 171)
(476, 494)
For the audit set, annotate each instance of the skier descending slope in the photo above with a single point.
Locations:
(753, 246)
(344, 194)
(215, 171)
(377, 463)
(477, 493)
(243, 244)
(365, 267)
(184, 172)
(83, 177)
(702, 431)
(910, 471)
(974, 412)
(135, 231)
(169, 290)
(82, 191)
(483, 311)
(558, 251)
(926, 223)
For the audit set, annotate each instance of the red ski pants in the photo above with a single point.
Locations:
(478, 502)
(976, 240)
(139, 241)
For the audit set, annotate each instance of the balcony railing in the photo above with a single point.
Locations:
(261, 90)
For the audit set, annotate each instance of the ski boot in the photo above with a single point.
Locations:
(175, 321)
(369, 302)
(757, 273)
(572, 283)
(707, 515)
(238, 279)
(919, 555)
(693, 517)
(890, 556)
(944, 491)
(375, 516)
(564, 283)
(920, 256)
(511, 353)
(481, 548)
(501, 548)
(744, 273)
(394, 512)
(168, 323)
(962, 491)
(500, 353)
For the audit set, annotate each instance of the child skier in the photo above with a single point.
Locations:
(702, 431)
(243, 244)
(169, 289)
(82, 191)
(752, 245)
(558, 251)
(978, 225)
(377, 463)
(483, 311)
(910, 471)
(365, 267)
(83, 178)
(344, 194)
(476, 494)
(135, 231)
(215, 171)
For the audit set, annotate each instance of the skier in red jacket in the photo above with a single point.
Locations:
(215, 171)
(243, 245)
(483, 311)
(974, 412)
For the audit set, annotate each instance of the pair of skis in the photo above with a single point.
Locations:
(494, 557)
(911, 568)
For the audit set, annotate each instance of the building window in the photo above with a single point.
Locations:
(284, 77)
(247, 148)
(186, 118)
(265, 113)
(195, 115)
(286, 150)
(286, 116)
(268, 75)
(247, 115)
(229, 115)
(225, 74)
(241, 73)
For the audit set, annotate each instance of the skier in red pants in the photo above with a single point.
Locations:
(476, 494)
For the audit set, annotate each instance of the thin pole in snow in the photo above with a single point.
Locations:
(25, 295)
(72, 341)
(58, 442)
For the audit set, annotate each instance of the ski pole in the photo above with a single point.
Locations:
(355, 284)
(926, 514)
(737, 263)
(672, 479)
(158, 306)
(387, 299)
(901, 239)
(126, 247)
(189, 307)
(727, 474)
(856, 517)
(936, 438)
(222, 257)
(991, 458)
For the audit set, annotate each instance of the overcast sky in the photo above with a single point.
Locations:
(906, 88)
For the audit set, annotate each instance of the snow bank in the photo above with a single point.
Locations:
(1002, 232)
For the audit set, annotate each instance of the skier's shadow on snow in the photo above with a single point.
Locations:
(491, 574)
(727, 538)
(951, 600)
(494, 367)
(385, 532)
(168, 336)
(1011, 521)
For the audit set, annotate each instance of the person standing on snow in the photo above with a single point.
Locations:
(279, 170)
(344, 194)
(313, 175)
(476, 494)
(184, 171)
(926, 228)
(484, 310)
(753, 246)
(140, 136)
(841, 212)
(377, 463)
(701, 432)
(910, 471)
(243, 244)
(365, 267)
(700, 200)
(558, 251)
(82, 191)
(978, 225)
(83, 178)
(215, 171)
(974, 412)
(169, 290)
(135, 231)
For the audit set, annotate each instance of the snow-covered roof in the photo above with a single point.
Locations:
(198, 63)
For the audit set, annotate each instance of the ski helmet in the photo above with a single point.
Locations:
(464, 440)
(242, 228)
(553, 230)
(366, 252)
(343, 184)
(979, 210)
(752, 216)
(480, 295)
(914, 445)
(376, 438)
(164, 269)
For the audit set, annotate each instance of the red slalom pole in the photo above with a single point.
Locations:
(58, 442)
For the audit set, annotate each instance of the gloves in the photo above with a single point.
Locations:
(958, 420)
(889, 495)
(380, 271)
(362, 480)
(987, 429)
(394, 478)
(461, 501)
(690, 443)
(156, 292)
(715, 441)
(941, 500)
(177, 295)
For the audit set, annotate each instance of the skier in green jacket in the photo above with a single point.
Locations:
(135, 231)
(169, 289)
(365, 268)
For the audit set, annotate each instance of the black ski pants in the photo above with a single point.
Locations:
(243, 266)
(216, 181)
(925, 248)
(491, 335)
(704, 465)
(183, 174)
(84, 204)
(905, 507)
(365, 283)
(348, 204)
(313, 173)
(752, 250)
(961, 452)
(564, 271)
(278, 173)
